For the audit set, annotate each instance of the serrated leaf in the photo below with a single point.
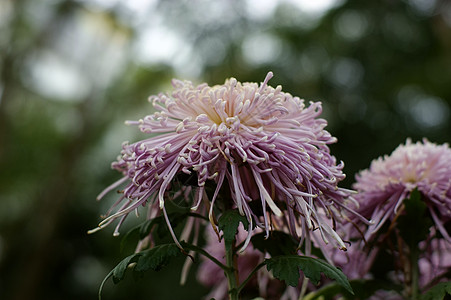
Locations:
(287, 268)
(151, 259)
(363, 289)
(414, 225)
(278, 243)
(157, 257)
(119, 270)
(172, 207)
(228, 223)
(439, 291)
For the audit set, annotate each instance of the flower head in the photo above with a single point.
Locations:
(390, 179)
(264, 146)
(382, 188)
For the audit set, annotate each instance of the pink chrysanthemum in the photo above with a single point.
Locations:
(263, 144)
(389, 180)
(381, 190)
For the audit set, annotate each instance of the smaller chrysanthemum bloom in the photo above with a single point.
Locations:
(262, 145)
(424, 166)
(390, 179)
(262, 284)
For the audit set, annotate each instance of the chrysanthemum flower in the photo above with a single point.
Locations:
(424, 166)
(390, 179)
(262, 144)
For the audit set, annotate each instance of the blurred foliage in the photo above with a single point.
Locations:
(72, 71)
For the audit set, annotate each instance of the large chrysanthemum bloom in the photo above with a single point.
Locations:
(390, 179)
(262, 144)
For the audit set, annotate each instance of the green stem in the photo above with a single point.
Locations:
(243, 284)
(414, 256)
(231, 273)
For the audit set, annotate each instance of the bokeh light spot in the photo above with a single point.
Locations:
(346, 72)
(261, 48)
(351, 25)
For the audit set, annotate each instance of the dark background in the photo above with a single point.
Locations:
(73, 71)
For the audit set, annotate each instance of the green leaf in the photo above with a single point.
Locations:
(414, 225)
(172, 207)
(439, 291)
(153, 259)
(278, 243)
(157, 257)
(287, 268)
(363, 289)
(118, 272)
(228, 223)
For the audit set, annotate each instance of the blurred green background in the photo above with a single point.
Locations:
(73, 71)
